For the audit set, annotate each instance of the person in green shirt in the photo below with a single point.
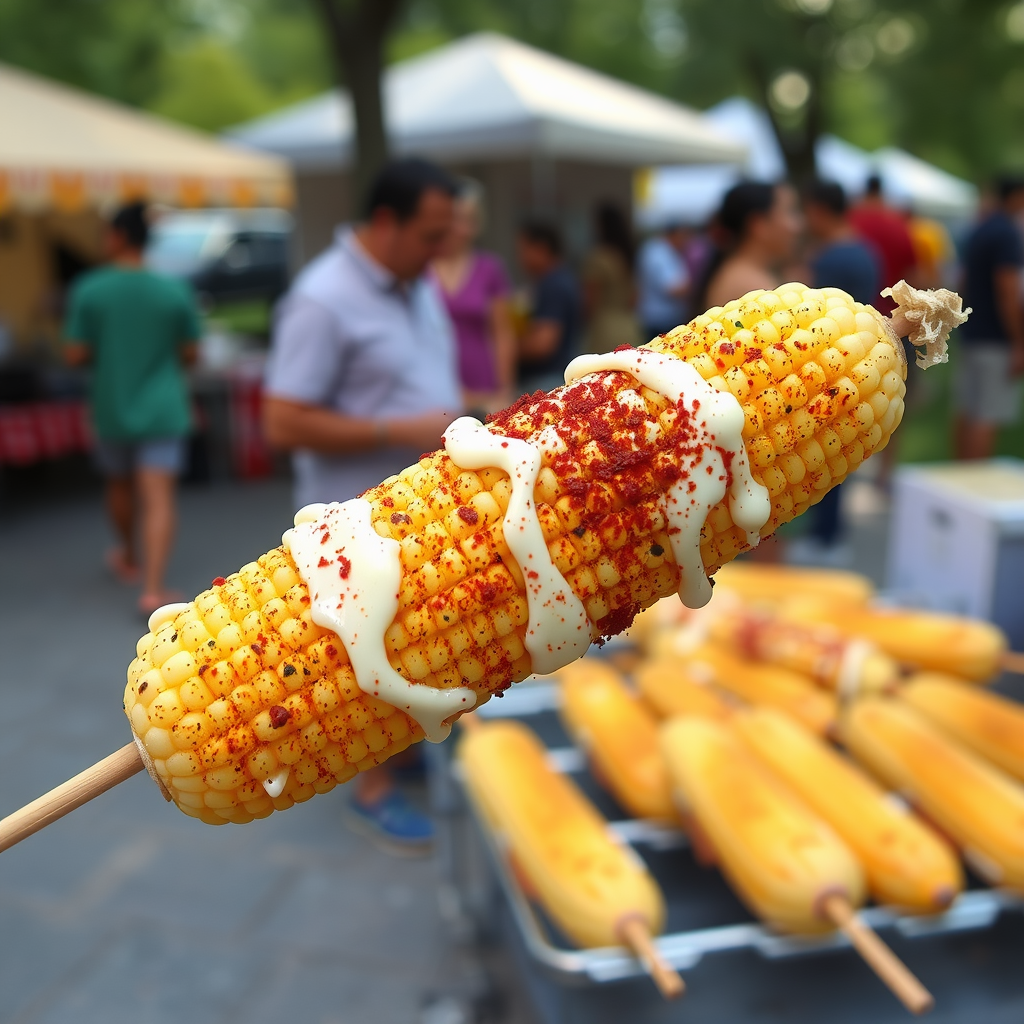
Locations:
(137, 331)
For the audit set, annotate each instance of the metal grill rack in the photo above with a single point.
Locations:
(705, 919)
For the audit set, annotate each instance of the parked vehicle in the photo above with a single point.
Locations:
(227, 255)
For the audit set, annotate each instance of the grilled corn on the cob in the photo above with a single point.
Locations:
(904, 861)
(671, 689)
(765, 685)
(619, 734)
(929, 641)
(761, 583)
(847, 665)
(782, 860)
(586, 880)
(978, 806)
(987, 723)
(250, 699)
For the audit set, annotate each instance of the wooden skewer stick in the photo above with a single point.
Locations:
(1013, 661)
(879, 957)
(901, 325)
(637, 936)
(103, 775)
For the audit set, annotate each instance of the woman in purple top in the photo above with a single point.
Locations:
(475, 290)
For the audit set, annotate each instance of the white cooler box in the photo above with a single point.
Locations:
(957, 540)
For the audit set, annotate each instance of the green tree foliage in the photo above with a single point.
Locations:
(942, 78)
(112, 47)
(237, 59)
(284, 44)
(934, 76)
(209, 85)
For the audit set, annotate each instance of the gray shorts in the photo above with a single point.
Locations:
(983, 390)
(122, 458)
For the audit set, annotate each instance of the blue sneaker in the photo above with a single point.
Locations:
(392, 823)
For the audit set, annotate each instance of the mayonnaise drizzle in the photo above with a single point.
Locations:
(559, 630)
(354, 577)
(276, 783)
(719, 418)
(165, 613)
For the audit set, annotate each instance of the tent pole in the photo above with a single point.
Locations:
(542, 184)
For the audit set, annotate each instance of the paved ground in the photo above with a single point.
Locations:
(129, 911)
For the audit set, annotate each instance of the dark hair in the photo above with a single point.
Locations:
(542, 232)
(873, 186)
(1007, 185)
(613, 230)
(132, 224)
(828, 194)
(740, 205)
(400, 184)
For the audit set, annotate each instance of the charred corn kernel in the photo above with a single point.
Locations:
(781, 859)
(619, 735)
(976, 804)
(987, 723)
(671, 688)
(584, 878)
(929, 641)
(599, 498)
(904, 861)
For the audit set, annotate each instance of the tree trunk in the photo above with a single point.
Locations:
(364, 67)
(357, 30)
(797, 146)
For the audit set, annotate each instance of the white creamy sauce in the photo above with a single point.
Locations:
(558, 631)
(165, 614)
(276, 783)
(719, 423)
(354, 577)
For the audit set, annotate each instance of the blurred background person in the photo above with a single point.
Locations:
(664, 281)
(362, 378)
(838, 259)
(608, 290)
(136, 330)
(886, 231)
(934, 253)
(551, 333)
(888, 234)
(475, 290)
(987, 391)
(755, 233)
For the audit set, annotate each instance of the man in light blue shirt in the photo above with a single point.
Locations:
(663, 281)
(362, 379)
(362, 376)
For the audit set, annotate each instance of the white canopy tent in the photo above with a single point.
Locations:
(523, 121)
(61, 148)
(489, 97)
(691, 194)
